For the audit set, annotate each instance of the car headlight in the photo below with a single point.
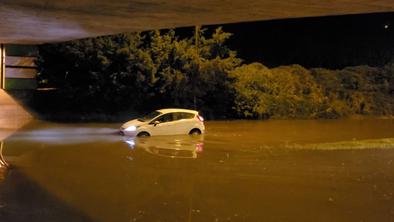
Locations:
(131, 128)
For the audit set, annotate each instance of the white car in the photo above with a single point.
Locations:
(165, 122)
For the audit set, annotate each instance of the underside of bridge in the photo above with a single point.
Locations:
(41, 21)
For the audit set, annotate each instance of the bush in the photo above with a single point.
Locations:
(283, 92)
(136, 73)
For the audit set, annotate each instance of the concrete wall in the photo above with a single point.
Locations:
(19, 70)
(12, 115)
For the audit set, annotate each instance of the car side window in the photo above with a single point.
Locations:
(180, 116)
(165, 118)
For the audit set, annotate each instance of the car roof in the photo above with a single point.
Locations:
(171, 110)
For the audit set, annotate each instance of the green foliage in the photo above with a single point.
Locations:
(283, 92)
(98, 72)
(358, 90)
(145, 71)
(140, 72)
(252, 85)
(295, 92)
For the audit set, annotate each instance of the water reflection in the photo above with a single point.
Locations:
(67, 135)
(183, 146)
(246, 172)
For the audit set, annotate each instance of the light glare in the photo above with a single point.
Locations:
(131, 128)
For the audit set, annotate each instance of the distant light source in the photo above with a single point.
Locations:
(386, 26)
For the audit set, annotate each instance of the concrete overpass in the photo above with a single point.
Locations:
(40, 21)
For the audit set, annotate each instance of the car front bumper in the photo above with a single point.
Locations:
(123, 132)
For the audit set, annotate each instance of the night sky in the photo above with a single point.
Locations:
(330, 42)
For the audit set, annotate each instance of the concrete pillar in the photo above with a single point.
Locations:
(3, 163)
(2, 66)
(12, 115)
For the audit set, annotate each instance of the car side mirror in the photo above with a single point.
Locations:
(155, 122)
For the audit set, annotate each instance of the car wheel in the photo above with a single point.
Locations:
(143, 134)
(195, 132)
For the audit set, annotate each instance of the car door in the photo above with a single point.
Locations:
(165, 125)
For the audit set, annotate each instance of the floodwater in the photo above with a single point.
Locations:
(293, 170)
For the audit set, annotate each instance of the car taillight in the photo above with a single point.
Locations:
(200, 118)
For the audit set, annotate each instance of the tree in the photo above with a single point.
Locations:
(140, 71)
(110, 68)
(283, 92)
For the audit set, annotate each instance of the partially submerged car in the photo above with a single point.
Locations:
(165, 122)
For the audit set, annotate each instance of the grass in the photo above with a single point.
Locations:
(384, 143)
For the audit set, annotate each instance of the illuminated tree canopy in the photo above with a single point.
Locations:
(144, 71)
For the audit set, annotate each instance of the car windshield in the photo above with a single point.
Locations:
(149, 116)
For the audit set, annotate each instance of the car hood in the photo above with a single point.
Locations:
(134, 122)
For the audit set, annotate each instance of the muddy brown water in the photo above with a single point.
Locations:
(237, 171)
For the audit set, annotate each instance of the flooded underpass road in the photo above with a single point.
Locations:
(306, 170)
